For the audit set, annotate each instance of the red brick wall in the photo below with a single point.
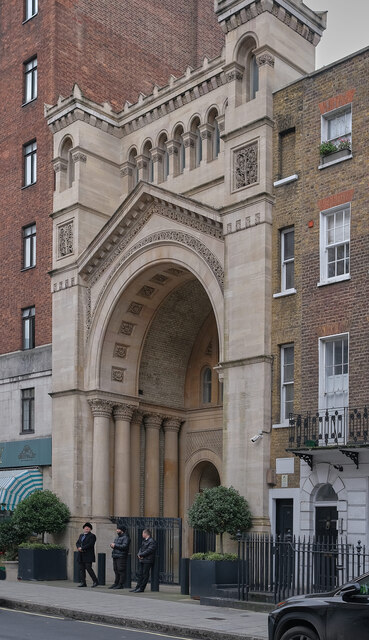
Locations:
(123, 48)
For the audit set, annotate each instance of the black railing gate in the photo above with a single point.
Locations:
(168, 534)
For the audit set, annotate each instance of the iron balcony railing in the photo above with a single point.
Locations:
(329, 427)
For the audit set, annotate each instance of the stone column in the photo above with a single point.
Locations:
(126, 171)
(171, 429)
(189, 141)
(122, 459)
(207, 132)
(101, 411)
(135, 464)
(60, 166)
(158, 158)
(173, 148)
(152, 471)
(143, 164)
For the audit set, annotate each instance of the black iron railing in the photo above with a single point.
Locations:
(329, 427)
(283, 568)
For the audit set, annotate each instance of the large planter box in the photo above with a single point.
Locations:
(337, 155)
(207, 575)
(42, 564)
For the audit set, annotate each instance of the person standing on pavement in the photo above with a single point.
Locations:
(146, 559)
(120, 548)
(86, 555)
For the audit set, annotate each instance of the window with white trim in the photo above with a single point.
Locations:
(30, 163)
(287, 259)
(287, 380)
(335, 244)
(29, 246)
(333, 372)
(337, 125)
(30, 9)
(30, 80)
(28, 328)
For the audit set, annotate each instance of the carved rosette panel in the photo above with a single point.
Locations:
(117, 374)
(210, 440)
(65, 239)
(120, 350)
(135, 308)
(245, 166)
(126, 328)
(146, 291)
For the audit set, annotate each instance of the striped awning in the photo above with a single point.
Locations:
(16, 484)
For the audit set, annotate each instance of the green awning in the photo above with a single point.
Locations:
(16, 484)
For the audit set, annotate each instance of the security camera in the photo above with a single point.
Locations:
(257, 437)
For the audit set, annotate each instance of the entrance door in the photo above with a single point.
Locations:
(326, 524)
(284, 517)
(325, 548)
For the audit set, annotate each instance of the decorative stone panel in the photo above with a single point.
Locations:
(146, 291)
(159, 278)
(245, 166)
(120, 350)
(117, 374)
(65, 239)
(135, 308)
(210, 440)
(126, 328)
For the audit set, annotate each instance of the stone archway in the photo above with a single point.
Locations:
(205, 475)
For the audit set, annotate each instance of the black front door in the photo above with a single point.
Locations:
(284, 517)
(325, 548)
(326, 523)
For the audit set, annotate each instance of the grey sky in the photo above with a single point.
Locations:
(347, 28)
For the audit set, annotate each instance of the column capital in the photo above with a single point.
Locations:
(172, 424)
(173, 146)
(137, 416)
(126, 169)
(100, 407)
(206, 131)
(157, 154)
(189, 139)
(234, 71)
(153, 420)
(142, 161)
(123, 411)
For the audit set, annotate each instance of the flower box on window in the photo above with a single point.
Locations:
(334, 150)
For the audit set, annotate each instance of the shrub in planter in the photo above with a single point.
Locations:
(39, 561)
(209, 571)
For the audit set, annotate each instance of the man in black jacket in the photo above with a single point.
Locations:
(86, 555)
(146, 559)
(120, 548)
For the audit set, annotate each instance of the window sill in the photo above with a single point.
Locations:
(329, 164)
(323, 283)
(30, 18)
(24, 104)
(26, 186)
(282, 294)
(282, 425)
(280, 183)
(26, 433)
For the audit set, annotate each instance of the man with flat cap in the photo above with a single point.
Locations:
(86, 555)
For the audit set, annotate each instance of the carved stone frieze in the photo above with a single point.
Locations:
(245, 166)
(208, 440)
(65, 239)
(126, 328)
(117, 374)
(120, 350)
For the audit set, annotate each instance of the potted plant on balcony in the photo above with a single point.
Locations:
(330, 151)
(42, 512)
(219, 510)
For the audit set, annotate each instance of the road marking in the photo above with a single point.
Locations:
(30, 613)
(151, 633)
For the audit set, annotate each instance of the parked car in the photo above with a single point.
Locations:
(339, 615)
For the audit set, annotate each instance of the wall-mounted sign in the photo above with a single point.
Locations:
(25, 453)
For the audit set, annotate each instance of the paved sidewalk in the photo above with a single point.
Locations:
(166, 611)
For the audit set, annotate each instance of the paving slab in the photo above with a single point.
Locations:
(166, 611)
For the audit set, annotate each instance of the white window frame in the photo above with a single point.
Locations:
(30, 163)
(325, 246)
(28, 328)
(284, 384)
(285, 261)
(30, 80)
(322, 369)
(30, 9)
(328, 117)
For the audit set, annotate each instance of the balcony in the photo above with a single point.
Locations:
(345, 429)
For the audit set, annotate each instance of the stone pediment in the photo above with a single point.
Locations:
(134, 214)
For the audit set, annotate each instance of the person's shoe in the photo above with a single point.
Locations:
(134, 590)
(95, 584)
(140, 590)
(114, 586)
(120, 586)
(83, 584)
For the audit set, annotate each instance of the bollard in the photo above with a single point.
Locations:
(185, 576)
(155, 575)
(128, 581)
(101, 565)
(76, 572)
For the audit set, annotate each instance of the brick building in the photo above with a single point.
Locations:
(320, 328)
(46, 47)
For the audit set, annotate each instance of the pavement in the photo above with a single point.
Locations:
(166, 611)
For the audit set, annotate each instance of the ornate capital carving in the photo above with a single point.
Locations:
(127, 169)
(265, 58)
(100, 408)
(123, 412)
(137, 417)
(233, 71)
(153, 420)
(245, 166)
(78, 156)
(142, 162)
(189, 139)
(173, 147)
(60, 164)
(157, 154)
(172, 424)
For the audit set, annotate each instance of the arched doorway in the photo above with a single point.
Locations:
(204, 476)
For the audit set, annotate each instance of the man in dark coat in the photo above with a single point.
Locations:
(120, 548)
(86, 555)
(146, 559)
